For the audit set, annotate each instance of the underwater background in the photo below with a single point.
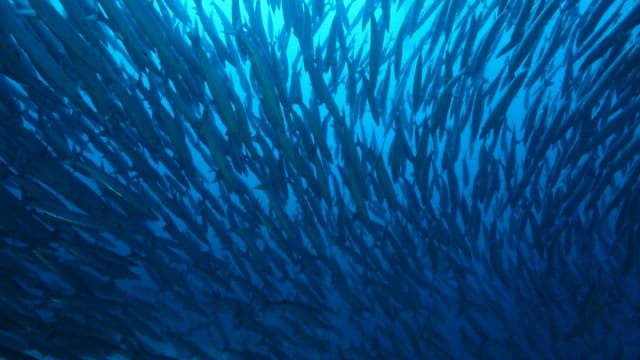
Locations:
(317, 179)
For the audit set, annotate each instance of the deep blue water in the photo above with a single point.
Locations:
(323, 179)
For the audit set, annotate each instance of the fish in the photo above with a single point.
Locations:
(333, 179)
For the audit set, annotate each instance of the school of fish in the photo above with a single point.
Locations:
(319, 179)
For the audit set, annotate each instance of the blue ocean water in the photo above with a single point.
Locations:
(319, 179)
